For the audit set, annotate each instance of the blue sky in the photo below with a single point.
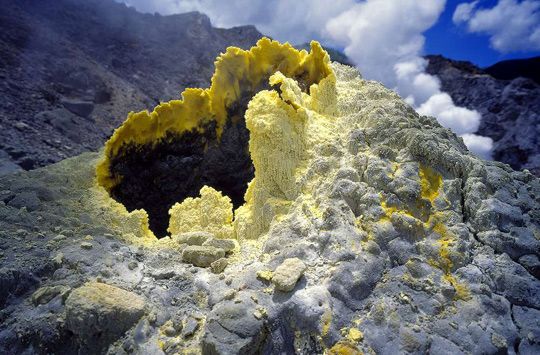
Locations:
(455, 42)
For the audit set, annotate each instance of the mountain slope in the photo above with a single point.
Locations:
(510, 108)
(71, 70)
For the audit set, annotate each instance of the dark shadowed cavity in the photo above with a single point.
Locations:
(157, 175)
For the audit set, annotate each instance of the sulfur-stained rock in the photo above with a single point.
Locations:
(99, 313)
(190, 327)
(87, 245)
(414, 245)
(211, 213)
(201, 256)
(45, 294)
(219, 265)
(288, 273)
(192, 238)
(227, 245)
(265, 275)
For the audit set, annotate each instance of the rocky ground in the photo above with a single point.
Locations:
(508, 97)
(71, 70)
(399, 242)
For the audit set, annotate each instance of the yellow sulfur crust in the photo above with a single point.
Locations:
(212, 213)
(237, 72)
(281, 125)
(430, 185)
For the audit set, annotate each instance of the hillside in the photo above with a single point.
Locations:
(71, 70)
(509, 104)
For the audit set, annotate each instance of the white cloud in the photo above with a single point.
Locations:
(512, 25)
(464, 11)
(458, 119)
(384, 38)
(296, 21)
(479, 145)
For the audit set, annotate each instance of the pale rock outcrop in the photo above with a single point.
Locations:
(287, 274)
(99, 313)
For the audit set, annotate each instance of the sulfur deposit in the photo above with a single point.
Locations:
(156, 159)
(300, 209)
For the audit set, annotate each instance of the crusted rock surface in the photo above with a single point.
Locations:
(411, 244)
(202, 256)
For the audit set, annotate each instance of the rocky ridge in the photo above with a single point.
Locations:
(400, 241)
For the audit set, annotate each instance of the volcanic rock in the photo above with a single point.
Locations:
(86, 64)
(202, 256)
(47, 293)
(98, 313)
(287, 274)
(192, 238)
(412, 244)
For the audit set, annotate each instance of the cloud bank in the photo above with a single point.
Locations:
(384, 38)
(512, 25)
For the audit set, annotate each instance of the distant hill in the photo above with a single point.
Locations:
(507, 95)
(71, 70)
(511, 69)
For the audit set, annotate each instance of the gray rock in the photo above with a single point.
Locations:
(528, 322)
(7, 165)
(509, 109)
(527, 347)
(14, 282)
(232, 329)
(201, 256)
(190, 327)
(99, 313)
(288, 273)
(45, 294)
(192, 238)
(353, 281)
(219, 265)
(87, 245)
(28, 199)
(162, 274)
(132, 265)
(80, 108)
(226, 244)
(531, 262)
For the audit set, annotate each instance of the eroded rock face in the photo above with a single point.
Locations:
(410, 244)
